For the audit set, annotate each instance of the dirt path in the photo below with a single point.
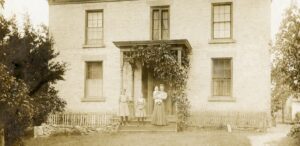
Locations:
(273, 134)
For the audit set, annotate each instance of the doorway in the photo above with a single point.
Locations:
(148, 84)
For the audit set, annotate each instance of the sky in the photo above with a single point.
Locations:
(39, 12)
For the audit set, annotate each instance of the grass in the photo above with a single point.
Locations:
(188, 138)
(289, 141)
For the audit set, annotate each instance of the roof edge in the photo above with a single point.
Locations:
(63, 2)
(124, 44)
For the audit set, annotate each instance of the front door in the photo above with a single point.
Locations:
(148, 84)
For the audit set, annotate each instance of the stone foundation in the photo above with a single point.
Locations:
(237, 120)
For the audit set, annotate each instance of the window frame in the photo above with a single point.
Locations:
(221, 97)
(86, 44)
(213, 22)
(160, 8)
(86, 98)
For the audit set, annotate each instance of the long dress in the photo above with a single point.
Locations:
(140, 108)
(123, 107)
(159, 115)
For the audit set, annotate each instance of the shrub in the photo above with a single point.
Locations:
(295, 130)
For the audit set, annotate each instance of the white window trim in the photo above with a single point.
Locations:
(93, 99)
(85, 44)
(229, 98)
(222, 40)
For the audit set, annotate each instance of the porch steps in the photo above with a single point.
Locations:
(133, 126)
(148, 127)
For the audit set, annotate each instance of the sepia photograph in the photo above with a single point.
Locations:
(149, 72)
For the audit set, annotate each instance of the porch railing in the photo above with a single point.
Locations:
(81, 119)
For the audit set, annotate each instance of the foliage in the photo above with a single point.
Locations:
(16, 109)
(286, 64)
(280, 93)
(162, 60)
(295, 132)
(286, 52)
(29, 57)
(297, 118)
(287, 49)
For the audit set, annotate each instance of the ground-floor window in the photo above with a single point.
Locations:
(94, 80)
(221, 77)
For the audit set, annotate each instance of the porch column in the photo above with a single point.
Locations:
(179, 56)
(137, 81)
(128, 79)
(121, 71)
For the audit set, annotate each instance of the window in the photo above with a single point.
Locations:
(221, 78)
(160, 23)
(94, 27)
(94, 80)
(222, 21)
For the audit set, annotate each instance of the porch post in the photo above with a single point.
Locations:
(121, 67)
(179, 56)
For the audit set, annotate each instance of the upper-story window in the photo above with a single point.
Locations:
(222, 21)
(160, 23)
(94, 27)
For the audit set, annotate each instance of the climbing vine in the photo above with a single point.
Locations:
(163, 61)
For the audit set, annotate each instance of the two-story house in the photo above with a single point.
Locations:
(228, 41)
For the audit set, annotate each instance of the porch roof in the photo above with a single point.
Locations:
(61, 2)
(182, 43)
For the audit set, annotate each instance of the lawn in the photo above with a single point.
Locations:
(288, 141)
(188, 138)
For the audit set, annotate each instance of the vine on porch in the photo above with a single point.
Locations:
(162, 60)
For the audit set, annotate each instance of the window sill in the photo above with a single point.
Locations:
(221, 99)
(93, 99)
(221, 41)
(93, 46)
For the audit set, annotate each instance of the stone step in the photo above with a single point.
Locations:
(171, 127)
(171, 119)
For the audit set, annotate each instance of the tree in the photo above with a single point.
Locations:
(286, 53)
(29, 58)
(287, 49)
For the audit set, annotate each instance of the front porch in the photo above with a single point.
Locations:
(138, 78)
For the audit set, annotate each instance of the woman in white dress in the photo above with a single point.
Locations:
(159, 115)
(123, 107)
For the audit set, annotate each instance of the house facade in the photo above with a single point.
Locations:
(228, 42)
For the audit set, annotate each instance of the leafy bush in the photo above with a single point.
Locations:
(27, 75)
(15, 106)
(295, 130)
(297, 118)
(183, 113)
